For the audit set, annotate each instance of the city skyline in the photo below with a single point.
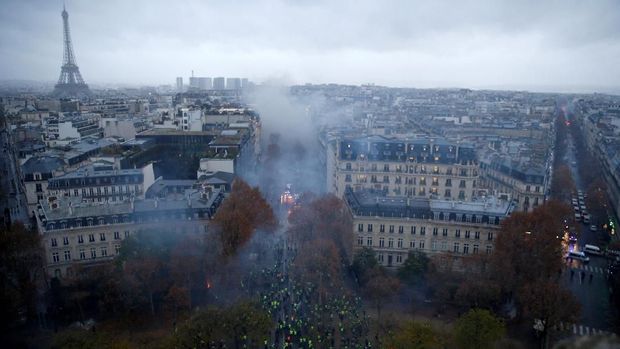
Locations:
(563, 47)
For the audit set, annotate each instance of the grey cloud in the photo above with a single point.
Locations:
(458, 42)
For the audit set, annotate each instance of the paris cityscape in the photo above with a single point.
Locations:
(297, 174)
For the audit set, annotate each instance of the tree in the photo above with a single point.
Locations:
(241, 325)
(597, 200)
(528, 247)
(562, 184)
(479, 293)
(380, 288)
(21, 270)
(327, 218)
(478, 329)
(364, 261)
(244, 211)
(187, 260)
(548, 302)
(414, 268)
(319, 265)
(414, 335)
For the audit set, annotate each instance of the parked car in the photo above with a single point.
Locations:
(593, 227)
(578, 255)
(592, 249)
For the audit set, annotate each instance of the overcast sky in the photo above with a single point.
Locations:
(540, 45)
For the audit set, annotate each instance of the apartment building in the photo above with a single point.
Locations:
(422, 168)
(394, 225)
(91, 233)
(526, 183)
(101, 182)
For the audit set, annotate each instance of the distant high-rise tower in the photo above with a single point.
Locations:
(179, 84)
(70, 83)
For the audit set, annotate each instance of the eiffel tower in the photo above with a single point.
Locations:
(70, 83)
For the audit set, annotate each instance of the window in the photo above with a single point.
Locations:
(101, 236)
(433, 245)
(444, 232)
(422, 230)
(104, 251)
(82, 254)
(370, 228)
(444, 245)
(91, 237)
(412, 244)
(360, 241)
(399, 258)
(39, 188)
(127, 233)
(381, 242)
(477, 235)
(391, 228)
(117, 235)
(382, 228)
(456, 247)
(413, 230)
(67, 255)
(360, 228)
(80, 239)
(490, 236)
(457, 233)
(400, 243)
(475, 249)
(380, 257)
(65, 240)
(421, 244)
(386, 179)
(55, 257)
(447, 193)
(466, 248)
(347, 178)
(93, 252)
(117, 249)
(449, 182)
(435, 231)
(369, 241)
(54, 242)
(348, 166)
(391, 242)
(386, 168)
(489, 249)
(401, 229)
(467, 234)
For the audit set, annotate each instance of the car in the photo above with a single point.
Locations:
(578, 255)
(592, 249)
(572, 239)
(593, 227)
(577, 216)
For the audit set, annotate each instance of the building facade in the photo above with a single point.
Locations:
(422, 168)
(91, 233)
(101, 182)
(393, 226)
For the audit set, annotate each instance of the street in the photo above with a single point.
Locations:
(14, 201)
(587, 281)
